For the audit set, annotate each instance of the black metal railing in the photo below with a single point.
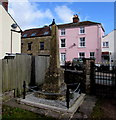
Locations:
(70, 91)
(27, 89)
(105, 81)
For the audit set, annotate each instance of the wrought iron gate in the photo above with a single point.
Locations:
(103, 81)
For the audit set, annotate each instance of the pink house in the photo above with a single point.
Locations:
(80, 39)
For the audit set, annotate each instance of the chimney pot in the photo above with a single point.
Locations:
(75, 19)
(5, 5)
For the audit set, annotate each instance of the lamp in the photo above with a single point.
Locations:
(14, 26)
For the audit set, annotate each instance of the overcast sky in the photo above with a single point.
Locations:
(37, 14)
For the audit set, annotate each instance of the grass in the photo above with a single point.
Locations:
(10, 113)
(98, 113)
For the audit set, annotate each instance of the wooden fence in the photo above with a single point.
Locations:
(30, 69)
(14, 72)
(41, 67)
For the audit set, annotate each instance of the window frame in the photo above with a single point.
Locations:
(82, 42)
(63, 43)
(62, 32)
(105, 44)
(64, 57)
(25, 35)
(82, 30)
(29, 46)
(33, 34)
(40, 46)
(81, 53)
(92, 56)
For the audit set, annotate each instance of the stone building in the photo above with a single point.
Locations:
(36, 41)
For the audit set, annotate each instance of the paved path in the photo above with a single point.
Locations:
(86, 108)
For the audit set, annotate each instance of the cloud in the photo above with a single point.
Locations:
(86, 18)
(28, 14)
(64, 13)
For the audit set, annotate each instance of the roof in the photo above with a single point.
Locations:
(36, 32)
(84, 23)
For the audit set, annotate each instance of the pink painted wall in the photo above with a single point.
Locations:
(93, 35)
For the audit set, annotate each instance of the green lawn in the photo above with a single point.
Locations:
(10, 113)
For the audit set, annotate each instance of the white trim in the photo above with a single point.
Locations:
(93, 56)
(62, 62)
(61, 32)
(79, 43)
(84, 30)
(82, 52)
(60, 42)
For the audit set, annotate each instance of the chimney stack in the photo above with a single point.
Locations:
(5, 5)
(75, 19)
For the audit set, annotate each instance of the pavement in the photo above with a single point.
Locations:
(86, 108)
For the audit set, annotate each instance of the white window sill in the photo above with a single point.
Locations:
(105, 47)
(82, 33)
(82, 47)
(62, 47)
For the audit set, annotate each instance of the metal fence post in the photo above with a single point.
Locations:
(14, 93)
(24, 89)
(65, 65)
(92, 78)
(67, 96)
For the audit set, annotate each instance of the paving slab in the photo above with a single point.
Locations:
(86, 108)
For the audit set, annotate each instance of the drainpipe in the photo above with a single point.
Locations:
(97, 50)
(11, 42)
(110, 54)
(99, 44)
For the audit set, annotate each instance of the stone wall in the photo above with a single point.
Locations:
(87, 75)
(35, 49)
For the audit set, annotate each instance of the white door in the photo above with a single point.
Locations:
(62, 58)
